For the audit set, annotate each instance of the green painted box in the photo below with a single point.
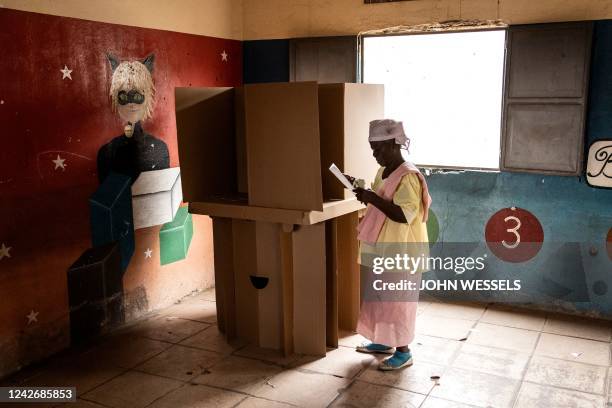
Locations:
(175, 237)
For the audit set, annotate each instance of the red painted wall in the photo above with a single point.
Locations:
(44, 213)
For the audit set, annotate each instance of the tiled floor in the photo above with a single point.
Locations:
(485, 356)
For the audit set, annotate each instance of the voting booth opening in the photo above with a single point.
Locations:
(255, 158)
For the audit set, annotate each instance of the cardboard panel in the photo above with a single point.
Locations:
(245, 265)
(282, 144)
(345, 112)
(241, 155)
(348, 271)
(331, 312)
(286, 252)
(224, 276)
(331, 127)
(363, 103)
(206, 142)
(309, 296)
(269, 298)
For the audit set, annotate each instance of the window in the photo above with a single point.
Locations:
(447, 88)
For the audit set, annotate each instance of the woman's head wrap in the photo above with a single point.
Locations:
(387, 129)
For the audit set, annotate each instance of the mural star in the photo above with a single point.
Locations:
(59, 163)
(66, 73)
(4, 251)
(224, 56)
(32, 317)
(148, 253)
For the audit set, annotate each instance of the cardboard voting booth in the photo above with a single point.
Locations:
(256, 159)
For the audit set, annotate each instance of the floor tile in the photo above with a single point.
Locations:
(416, 378)
(132, 390)
(207, 294)
(168, 329)
(609, 389)
(445, 327)
(238, 374)
(253, 402)
(567, 374)
(343, 362)
(348, 339)
(470, 387)
(180, 362)
(128, 351)
(491, 335)
(466, 311)
(365, 395)
(271, 356)
(502, 316)
(213, 340)
(535, 395)
(198, 396)
(197, 309)
(301, 388)
(574, 349)
(433, 402)
(489, 360)
(84, 404)
(434, 350)
(578, 327)
(84, 372)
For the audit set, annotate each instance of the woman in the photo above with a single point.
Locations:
(397, 209)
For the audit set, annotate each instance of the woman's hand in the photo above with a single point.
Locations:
(351, 179)
(365, 196)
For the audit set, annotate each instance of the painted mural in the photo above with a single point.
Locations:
(132, 93)
(56, 79)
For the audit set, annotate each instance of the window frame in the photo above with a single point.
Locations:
(435, 167)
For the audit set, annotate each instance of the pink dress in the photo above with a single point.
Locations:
(392, 323)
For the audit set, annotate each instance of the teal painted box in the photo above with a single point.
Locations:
(175, 237)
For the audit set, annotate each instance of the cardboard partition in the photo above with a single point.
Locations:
(286, 254)
(331, 258)
(246, 295)
(205, 121)
(309, 289)
(282, 145)
(345, 112)
(223, 243)
(347, 248)
(270, 297)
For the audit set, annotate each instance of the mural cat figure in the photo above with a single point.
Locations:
(132, 94)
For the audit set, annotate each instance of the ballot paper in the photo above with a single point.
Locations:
(340, 176)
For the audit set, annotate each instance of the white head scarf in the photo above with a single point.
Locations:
(387, 129)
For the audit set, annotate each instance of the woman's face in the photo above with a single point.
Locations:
(384, 151)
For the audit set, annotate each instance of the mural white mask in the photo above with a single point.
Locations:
(132, 91)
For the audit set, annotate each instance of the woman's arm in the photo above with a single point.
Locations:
(392, 211)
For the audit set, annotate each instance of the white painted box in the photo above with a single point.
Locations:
(156, 197)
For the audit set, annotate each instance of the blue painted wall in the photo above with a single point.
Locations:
(265, 61)
(575, 217)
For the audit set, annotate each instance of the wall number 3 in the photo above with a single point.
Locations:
(514, 235)
(514, 231)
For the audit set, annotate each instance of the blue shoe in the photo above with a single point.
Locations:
(369, 347)
(396, 361)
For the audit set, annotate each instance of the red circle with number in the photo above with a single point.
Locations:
(609, 244)
(514, 235)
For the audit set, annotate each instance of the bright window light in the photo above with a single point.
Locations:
(447, 89)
